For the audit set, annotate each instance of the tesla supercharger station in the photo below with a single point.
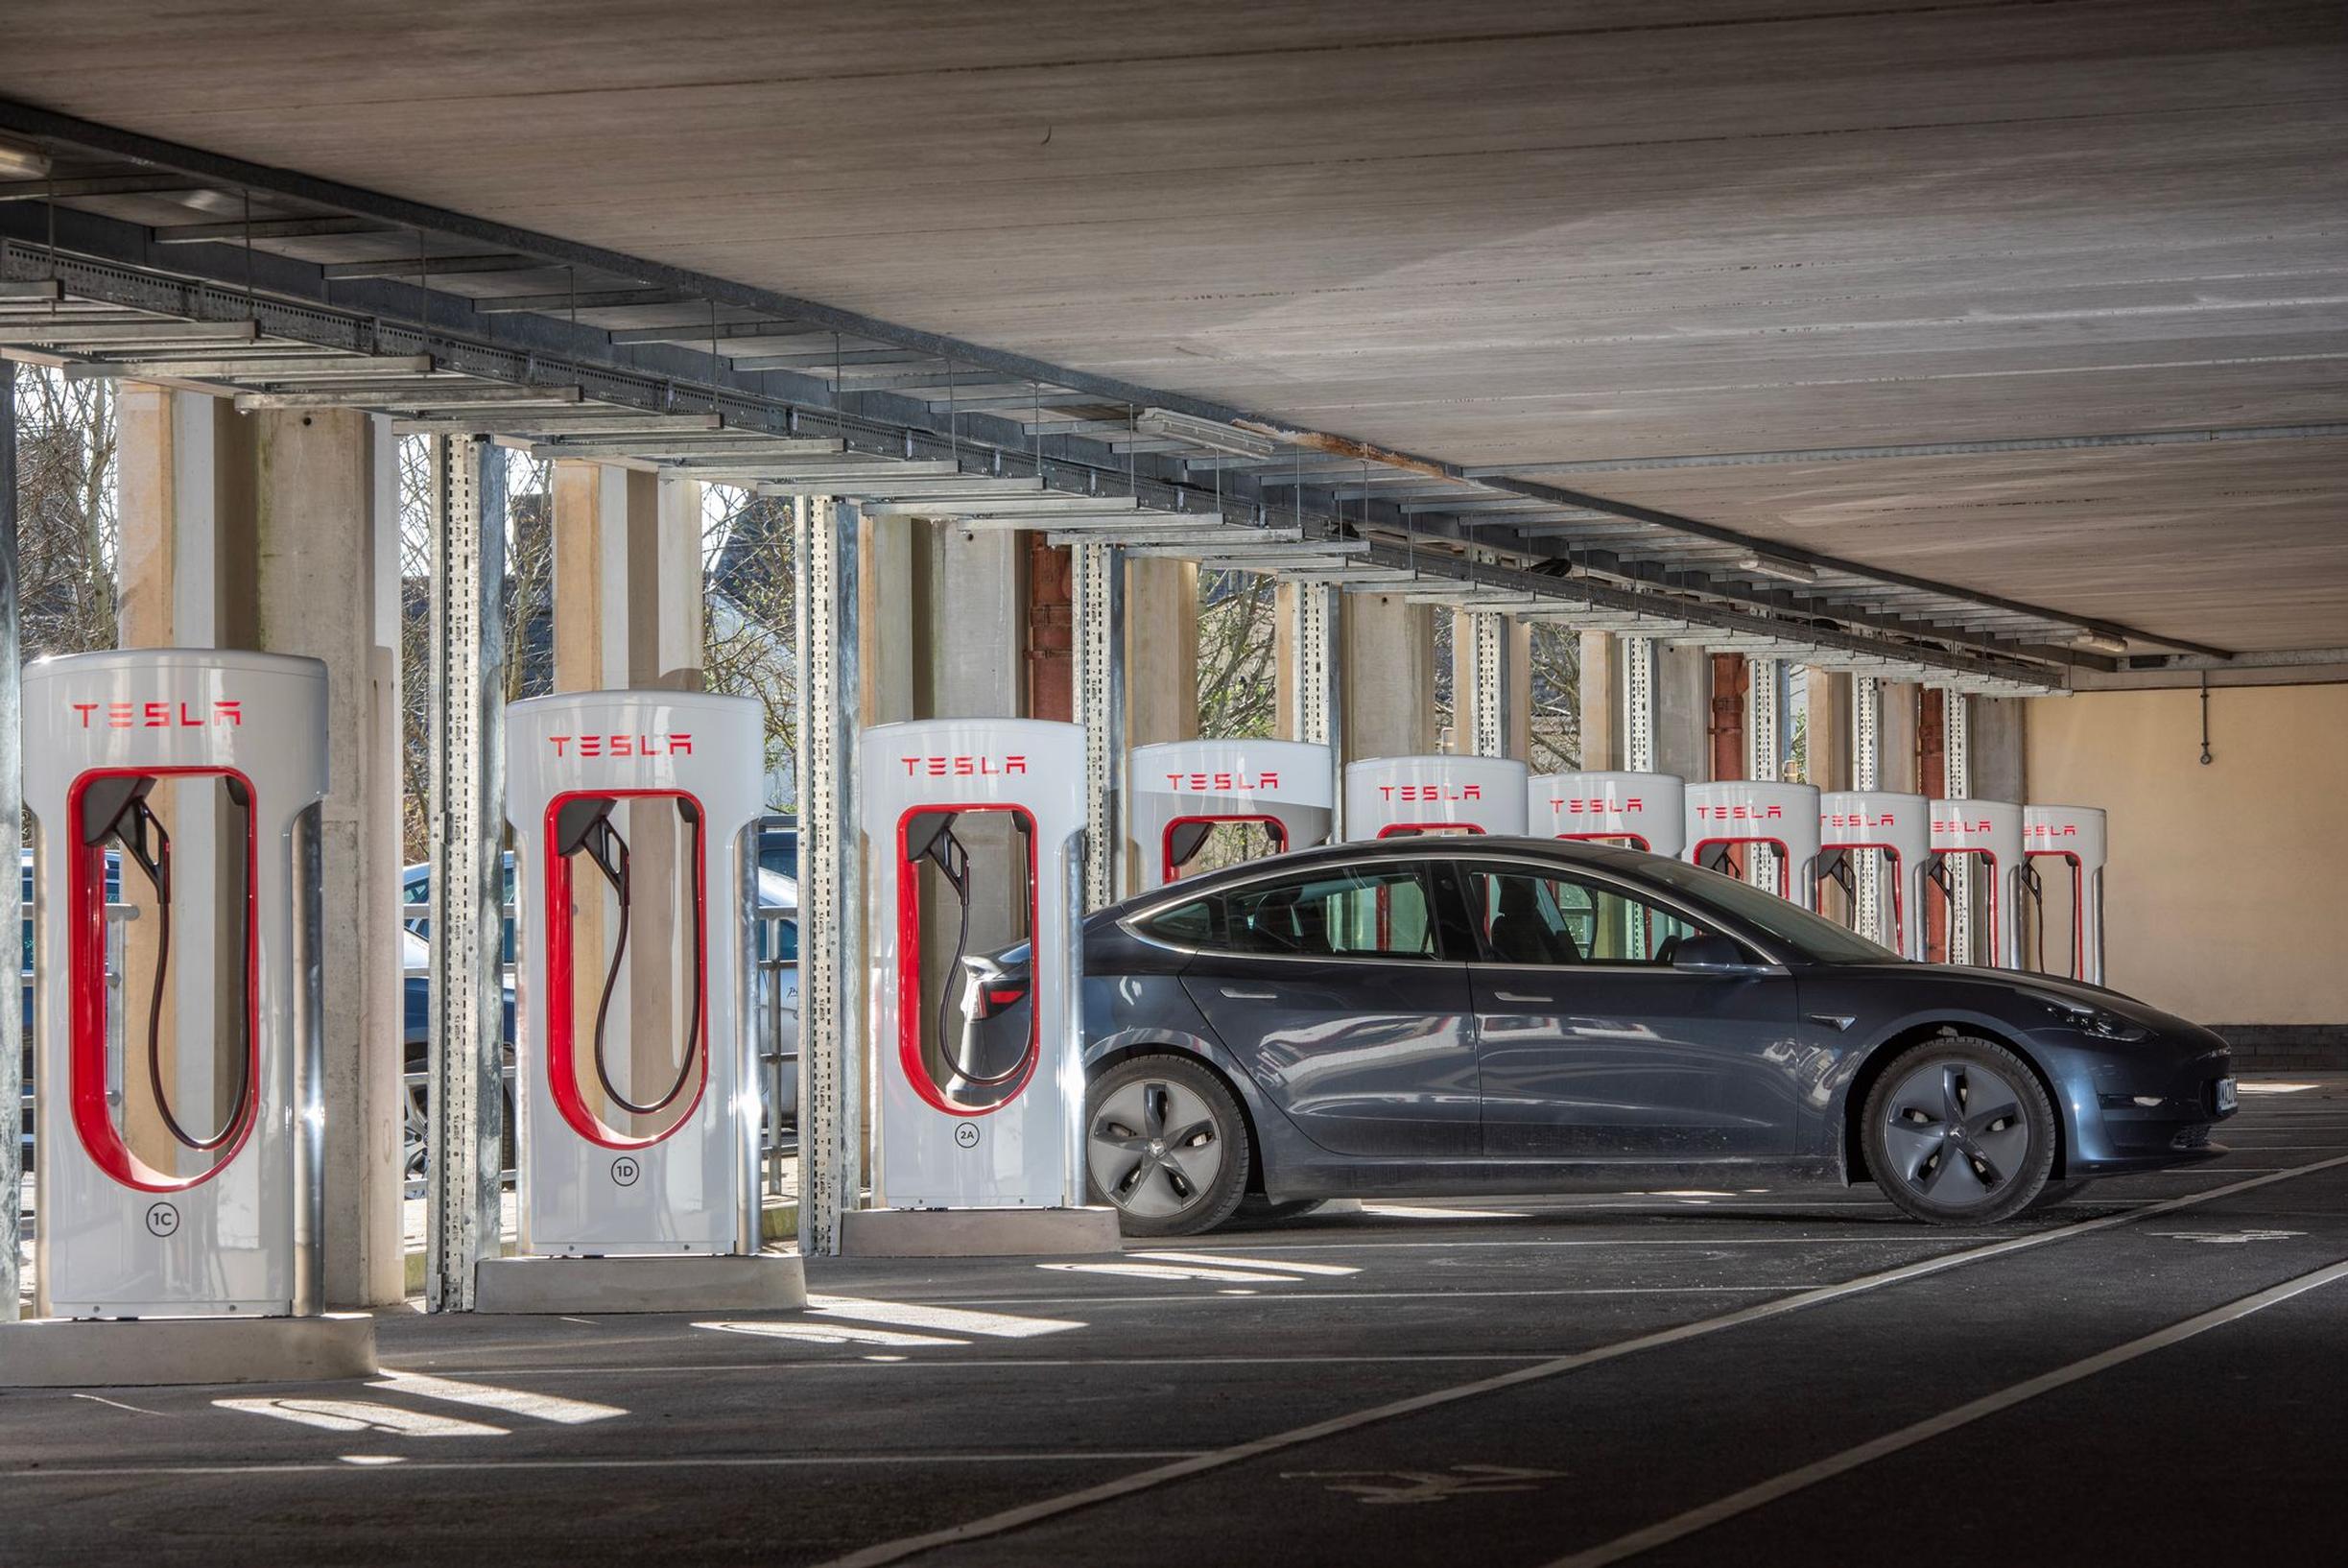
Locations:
(974, 834)
(1388, 797)
(1987, 835)
(2073, 837)
(179, 1114)
(1639, 811)
(633, 814)
(1727, 822)
(1877, 846)
(1183, 791)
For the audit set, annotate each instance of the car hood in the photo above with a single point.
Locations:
(2052, 987)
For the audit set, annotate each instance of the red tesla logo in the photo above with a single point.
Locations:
(1221, 783)
(160, 715)
(1959, 825)
(1740, 814)
(1580, 806)
(2052, 830)
(962, 766)
(1423, 793)
(1861, 818)
(625, 746)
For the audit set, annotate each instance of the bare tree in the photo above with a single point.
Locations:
(747, 647)
(1556, 698)
(1238, 689)
(66, 522)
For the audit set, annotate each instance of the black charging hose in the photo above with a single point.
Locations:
(600, 841)
(955, 862)
(154, 860)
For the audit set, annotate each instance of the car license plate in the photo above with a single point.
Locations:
(2225, 1094)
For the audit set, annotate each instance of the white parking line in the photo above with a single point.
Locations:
(1016, 1518)
(537, 1407)
(1171, 1270)
(1221, 1259)
(362, 1416)
(1908, 1436)
(730, 1462)
(944, 1319)
(831, 1334)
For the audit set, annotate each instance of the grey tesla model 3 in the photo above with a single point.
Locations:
(1446, 1016)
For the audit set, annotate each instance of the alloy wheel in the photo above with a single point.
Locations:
(1154, 1147)
(1955, 1133)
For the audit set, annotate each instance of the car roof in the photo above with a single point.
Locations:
(1417, 846)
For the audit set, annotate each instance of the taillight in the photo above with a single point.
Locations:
(1000, 995)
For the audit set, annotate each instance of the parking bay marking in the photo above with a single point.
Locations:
(1015, 1518)
(362, 1416)
(539, 1407)
(1386, 1489)
(1908, 1436)
(1219, 1268)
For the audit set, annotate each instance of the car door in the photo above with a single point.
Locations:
(1590, 1045)
(1341, 996)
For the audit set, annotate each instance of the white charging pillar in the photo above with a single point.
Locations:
(954, 1133)
(1642, 811)
(1388, 797)
(1723, 816)
(1853, 823)
(2076, 836)
(1182, 788)
(1989, 832)
(635, 892)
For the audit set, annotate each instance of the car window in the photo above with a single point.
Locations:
(1529, 916)
(1383, 912)
(1185, 925)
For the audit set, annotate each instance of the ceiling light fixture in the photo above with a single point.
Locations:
(1777, 566)
(1207, 433)
(22, 160)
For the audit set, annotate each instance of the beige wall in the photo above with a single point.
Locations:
(2228, 888)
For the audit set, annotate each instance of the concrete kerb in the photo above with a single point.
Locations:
(979, 1233)
(149, 1352)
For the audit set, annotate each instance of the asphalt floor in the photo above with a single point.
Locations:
(2153, 1371)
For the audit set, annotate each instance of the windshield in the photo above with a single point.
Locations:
(1814, 936)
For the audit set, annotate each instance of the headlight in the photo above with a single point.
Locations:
(2101, 1023)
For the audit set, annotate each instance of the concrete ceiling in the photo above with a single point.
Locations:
(1494, 232)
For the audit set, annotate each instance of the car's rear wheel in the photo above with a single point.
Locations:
(1165, 1144)
(1959, 1131)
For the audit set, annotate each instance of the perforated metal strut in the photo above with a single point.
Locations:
(1638, 704)
(1317, 706)
(1099, 707)
(827, 707)
(468, 790)
(1957, 783)
(1867, 774)
(12, 813)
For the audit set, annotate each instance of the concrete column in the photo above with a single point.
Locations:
(1390, 676)
(1827, 727)
(892, 614)
(1898, 765)
(591, 538)
(1683, 704)
(1998, 750)
(665, 610)
(1161, 651)
(1515, 684)
(1602, 701)
(974, 622)
(324, 524)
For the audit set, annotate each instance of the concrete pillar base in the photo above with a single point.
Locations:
(978, 1233)
(70, 1353)
(759, 1282)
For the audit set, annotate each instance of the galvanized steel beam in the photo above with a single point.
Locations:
(467, 880)
(1098, 578)
(827, 709)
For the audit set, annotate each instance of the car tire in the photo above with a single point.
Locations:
(2058, 1192)
(1165, 1146)
(1959, 1131)
(1256, 1209)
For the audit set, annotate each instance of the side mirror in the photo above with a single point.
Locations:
(1709, 954)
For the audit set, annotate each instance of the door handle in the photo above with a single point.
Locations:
(1521, 996)
(1240, 993)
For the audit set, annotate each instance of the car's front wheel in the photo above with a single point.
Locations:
(1959, 1131)
(1165, 1144)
